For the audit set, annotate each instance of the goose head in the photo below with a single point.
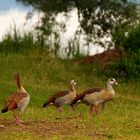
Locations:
(72, 83)
(112, 81)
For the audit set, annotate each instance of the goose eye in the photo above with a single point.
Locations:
(112, 80)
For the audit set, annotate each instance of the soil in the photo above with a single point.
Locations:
(105, 58)
(65, 128)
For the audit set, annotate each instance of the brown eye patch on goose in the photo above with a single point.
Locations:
(111, 79)
(73, 82)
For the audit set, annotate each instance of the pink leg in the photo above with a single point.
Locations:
(91, 109)
(18, 121)
(80, 115)
(59, 109)
(73, 108)
(103, 106)
(97, 110)
(19, 118)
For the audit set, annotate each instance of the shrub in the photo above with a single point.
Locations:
(128, 65)
(132, 42)
(127, 68)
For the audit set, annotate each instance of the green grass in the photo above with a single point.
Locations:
(42, 75)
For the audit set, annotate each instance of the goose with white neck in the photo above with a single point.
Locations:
(62, 97)
(17, 101)
(95, 96)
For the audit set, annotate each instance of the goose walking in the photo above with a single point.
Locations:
(17, 101)
(62, 97)
(95, 96)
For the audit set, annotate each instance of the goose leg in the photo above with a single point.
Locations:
(59, 109)
(97, 110)
(19, 114)
(91, 109)
(74, 106)
(103, 106)
(18, 121)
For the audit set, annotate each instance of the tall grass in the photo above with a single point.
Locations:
(15, 41)
(18, 42)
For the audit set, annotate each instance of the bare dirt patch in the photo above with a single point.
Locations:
(105, 58)
(65, 128)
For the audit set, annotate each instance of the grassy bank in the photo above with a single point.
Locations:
(42, 75)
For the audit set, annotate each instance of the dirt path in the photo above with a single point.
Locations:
(48, 128)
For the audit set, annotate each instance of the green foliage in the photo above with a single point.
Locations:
(128, 66)
(105, 14)
(73, 49)
(128, 38)
(18, 42)
(132, 42)
(119, 36)
(24, 42)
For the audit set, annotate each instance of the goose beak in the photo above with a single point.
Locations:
(115, 83)
(75, 83)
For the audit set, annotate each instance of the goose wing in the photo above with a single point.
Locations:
(54, 97)
(83, 94)
(13, 100)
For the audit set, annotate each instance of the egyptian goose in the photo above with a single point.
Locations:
(63, 97)
(18, 100)
(95, 96)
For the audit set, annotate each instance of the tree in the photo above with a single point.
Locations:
(97, 18)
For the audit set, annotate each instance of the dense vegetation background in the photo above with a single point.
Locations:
(118, 19)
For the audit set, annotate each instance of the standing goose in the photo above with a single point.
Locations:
(18, 100)
(63, 97)
(95, 96)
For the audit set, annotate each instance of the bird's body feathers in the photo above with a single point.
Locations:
(63, 97)
(18, 100)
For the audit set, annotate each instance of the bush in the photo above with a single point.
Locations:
(128, 38)
(132, 42)
(128, 65)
